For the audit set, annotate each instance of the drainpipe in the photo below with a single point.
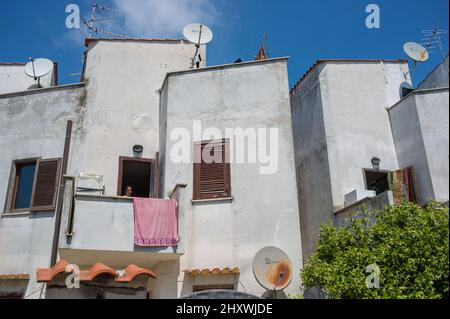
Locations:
(60, 195)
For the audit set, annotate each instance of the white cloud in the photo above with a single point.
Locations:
(163, 18)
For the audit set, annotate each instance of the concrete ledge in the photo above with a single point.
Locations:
(222, 67)
(42, 90)
(101, 197)
(356, 204)
(212, 201)
(417, 92)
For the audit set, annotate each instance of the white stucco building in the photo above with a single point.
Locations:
(360, 141)
(64, 177)
(346, 135)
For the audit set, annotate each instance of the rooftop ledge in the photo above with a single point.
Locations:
(42, 90)
(222, 67)
(417, 92)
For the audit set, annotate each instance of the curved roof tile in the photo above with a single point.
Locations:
(131, 272)
(213, 271)
(95, 271)
(48, 274)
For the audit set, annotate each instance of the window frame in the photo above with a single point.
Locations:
(154, 173)
(197, 196)
(13, 186)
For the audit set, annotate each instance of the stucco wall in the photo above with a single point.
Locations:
(31, 125)
(122, 103)
(14, 79)
(313, 174)
(264, 210)
(340, 123)
(420, 128)
(354, 98)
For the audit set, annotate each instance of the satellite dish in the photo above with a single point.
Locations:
(198, 33)
(416, 52)
(38, 68)
(272, 269)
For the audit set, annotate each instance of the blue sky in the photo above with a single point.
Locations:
(303, 30)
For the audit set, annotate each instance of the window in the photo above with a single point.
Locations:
(377, 181)
(33, 185)
(139, 174)
(212, 170)
(401, 182)
(24, 185)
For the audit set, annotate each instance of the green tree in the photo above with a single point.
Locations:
(409, 244)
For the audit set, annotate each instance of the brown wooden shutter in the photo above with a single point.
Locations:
(405, 186)
(45, 185)
(155, 177)
(212, 180)
(411, 185)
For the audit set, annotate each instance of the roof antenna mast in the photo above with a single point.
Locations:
(432, 40)
(90, 23)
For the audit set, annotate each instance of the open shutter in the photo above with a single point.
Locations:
(155, 177)
(411, 185)
(404, 186)
(212, 180)
(45, 185)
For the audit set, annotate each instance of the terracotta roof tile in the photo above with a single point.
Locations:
(48, 274)
(95, 271)
(15, 277)
(213, 271)
(131, 272)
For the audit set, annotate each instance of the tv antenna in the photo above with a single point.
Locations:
(199, 34)
(38, 68)
(272, 269)
(432, 39)
(417, 53)
(90, 23)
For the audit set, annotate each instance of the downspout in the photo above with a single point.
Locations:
(60, 194)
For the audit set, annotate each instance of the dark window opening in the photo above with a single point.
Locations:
(377, 181)
(137, 174)
(24, 185)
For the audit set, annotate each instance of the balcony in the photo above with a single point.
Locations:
(97, 228)
(359, 208)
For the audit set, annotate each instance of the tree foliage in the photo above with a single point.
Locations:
(408, 243)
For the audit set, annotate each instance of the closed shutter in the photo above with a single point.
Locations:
(45, 185)
(212, 180)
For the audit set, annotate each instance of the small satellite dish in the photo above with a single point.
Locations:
(198, 33)
(272, 269)
(38, 68)
(416, 52)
